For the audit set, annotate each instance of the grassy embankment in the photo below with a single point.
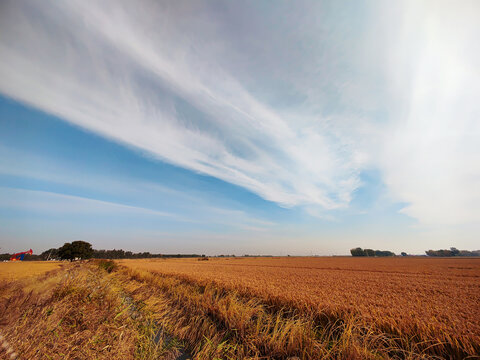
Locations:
(76, 312)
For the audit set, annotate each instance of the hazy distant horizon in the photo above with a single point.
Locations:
(212, 127)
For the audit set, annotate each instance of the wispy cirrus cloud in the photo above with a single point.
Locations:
(289, 102)
(45, 202)
(137, 76)
(81, 191)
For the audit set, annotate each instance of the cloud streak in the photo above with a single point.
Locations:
(94, 193)
(45, 202)
(289, 103)
(160, 90)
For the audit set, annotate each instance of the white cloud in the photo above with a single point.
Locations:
(292, 110)
(53, 203)
(121, 69)
(432, 148)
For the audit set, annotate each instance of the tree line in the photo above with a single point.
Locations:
(452, 252)
(83, 250)
(439, 253)
(370, 252)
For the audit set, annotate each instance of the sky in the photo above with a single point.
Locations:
(253, 127)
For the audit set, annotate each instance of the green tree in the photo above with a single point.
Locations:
(369, 252)
(50, 254)
(357, 252)
(75, 250)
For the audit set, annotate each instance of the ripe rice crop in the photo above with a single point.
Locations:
(23, 269)
(245, 308)
(429, 305)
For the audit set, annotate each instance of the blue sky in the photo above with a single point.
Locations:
(253, 127)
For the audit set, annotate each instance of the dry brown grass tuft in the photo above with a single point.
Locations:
(76, 313)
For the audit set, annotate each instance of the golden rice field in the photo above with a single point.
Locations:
(242, 308)
(436, 300)
(23, 269)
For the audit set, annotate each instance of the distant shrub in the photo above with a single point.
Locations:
(357, 252)
(384, 253)
(203, 259)
(108, 265)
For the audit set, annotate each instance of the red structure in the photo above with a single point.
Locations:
(21, 255)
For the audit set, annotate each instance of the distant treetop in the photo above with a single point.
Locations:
(370, 252)
(452, 252)
(75, 250)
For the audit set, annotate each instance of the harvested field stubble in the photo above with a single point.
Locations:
(391, 307)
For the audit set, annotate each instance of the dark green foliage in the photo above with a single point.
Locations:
(452, 252)
(455, 251)
(370, 252)
(357, 252)
(108, 265)
(469, 253)
(83, 250)
(75, 250)
(381, 253)
(50, 254)
(121, 254)
(5, 256)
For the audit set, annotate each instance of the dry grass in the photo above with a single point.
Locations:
(218, 324)
(353, 307)
(279, 308)
(21, 269)
(77, 312)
